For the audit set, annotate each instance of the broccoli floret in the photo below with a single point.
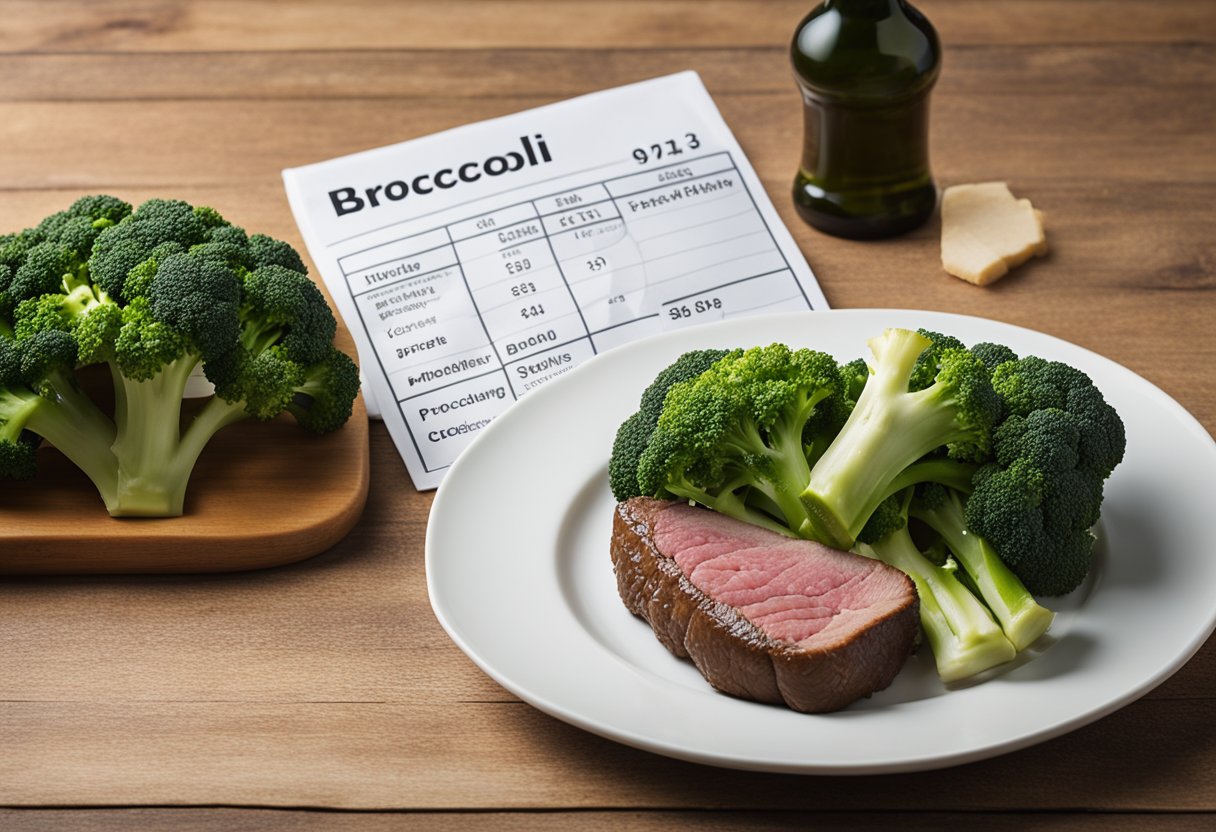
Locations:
(283, 306)
(101, 208)
(322, 402)
(287, 361)
(924, 373)
(853, 376)
(740, 426)
(1021, 617)
(267, 251)
(1037, 501)
(891, 427)
(47, 268)
(962, 633)
(993, 355)
(633, 435)
(120, 248)
(154, 293)
(887, 519)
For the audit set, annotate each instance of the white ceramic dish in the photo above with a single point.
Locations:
(519, 575)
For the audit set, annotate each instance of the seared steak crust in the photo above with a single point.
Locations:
(735, 655)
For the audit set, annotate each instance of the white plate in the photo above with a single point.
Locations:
(520, 576)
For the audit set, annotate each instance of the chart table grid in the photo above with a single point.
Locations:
(529, 290)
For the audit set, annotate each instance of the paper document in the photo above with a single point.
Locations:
(474, 265)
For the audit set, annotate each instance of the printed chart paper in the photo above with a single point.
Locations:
(474, 265)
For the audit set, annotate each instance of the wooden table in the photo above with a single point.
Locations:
(325, 695)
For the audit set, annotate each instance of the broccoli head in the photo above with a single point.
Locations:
(633, 435)
(739, 427)
(154, 293)
(1038, 500)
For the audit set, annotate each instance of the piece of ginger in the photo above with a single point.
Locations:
(986, 232)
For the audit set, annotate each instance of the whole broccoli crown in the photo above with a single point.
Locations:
(1033, 383)
(267, 251)
(200, 299)
(634, 433)
(286, 305)
(324, 400)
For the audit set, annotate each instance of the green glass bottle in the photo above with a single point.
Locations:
(865, 68)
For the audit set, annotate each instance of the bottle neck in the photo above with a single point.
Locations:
(874, 9)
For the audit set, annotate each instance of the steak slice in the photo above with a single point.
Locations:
(762, 616)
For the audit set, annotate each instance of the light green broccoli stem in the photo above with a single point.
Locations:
(155, 457)
(1022, 618)
(781, 480)
(66, 418)
(790, 472)
(962, 634)
(730, 503)
(888, 430)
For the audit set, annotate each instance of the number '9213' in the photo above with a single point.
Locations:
(665, 148)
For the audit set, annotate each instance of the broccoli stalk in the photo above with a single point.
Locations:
(1021, 617)
(961, 631)
(891, 427)
(39, 395)
(154, 456)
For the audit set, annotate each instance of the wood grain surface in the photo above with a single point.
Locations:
(324, 695)
(260, 495)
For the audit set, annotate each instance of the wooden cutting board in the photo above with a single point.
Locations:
(262, 494)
